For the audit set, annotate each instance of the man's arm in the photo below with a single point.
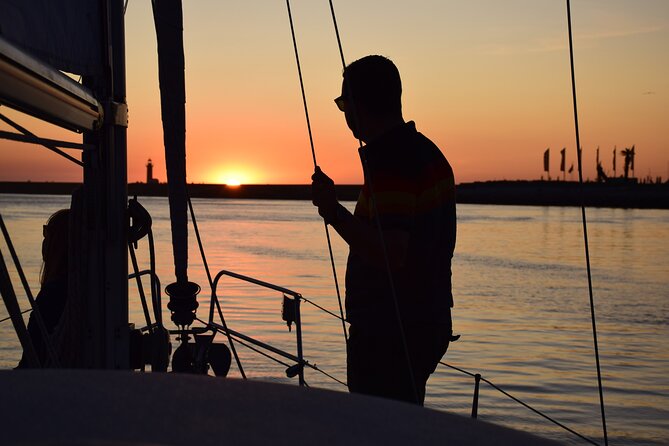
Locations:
(362, 238)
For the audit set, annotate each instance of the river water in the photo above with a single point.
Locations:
(521, 305)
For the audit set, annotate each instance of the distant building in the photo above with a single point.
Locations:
(149, 173)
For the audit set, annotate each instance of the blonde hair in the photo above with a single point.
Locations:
(55, 246)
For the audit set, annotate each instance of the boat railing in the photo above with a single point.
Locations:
(290, 313)
(300, 360)
(297, 369)
(477, 381)
(475, 401)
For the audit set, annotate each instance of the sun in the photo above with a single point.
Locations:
(232, 177)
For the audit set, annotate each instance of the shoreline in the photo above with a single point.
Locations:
(529, 193)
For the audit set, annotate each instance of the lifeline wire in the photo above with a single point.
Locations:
(320, 308)
(313, 155)
(211, 284)
(378, 220)
(9, 317)
(499, 389)
(585, 227)
(305, 363)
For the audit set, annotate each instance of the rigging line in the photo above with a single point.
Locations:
(224, 324)
(38, 141)
(391, 282)
(9, 317)
(314, 367)
(155, 282)
(211, 283)
(539, 412)
(313, 155)
(384, 249)
(473, 375)
(336, 28)
(249, 346)
(267, 355)
(520, 402)
(140, 287)
(585, 226)
(320, 308)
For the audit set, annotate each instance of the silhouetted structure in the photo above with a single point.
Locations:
(149, 173)
(628, 153)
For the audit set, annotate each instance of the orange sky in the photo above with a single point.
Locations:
(488, 81)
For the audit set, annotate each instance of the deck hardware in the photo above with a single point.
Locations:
(288, 311)
(475, 403)
(119, 113)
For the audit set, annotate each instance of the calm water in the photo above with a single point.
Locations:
(521, 296)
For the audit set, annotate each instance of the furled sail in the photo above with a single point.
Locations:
(63, 33)
(168, 19)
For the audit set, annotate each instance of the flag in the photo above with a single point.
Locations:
(562, 155)
(571, 169)
(546, 161)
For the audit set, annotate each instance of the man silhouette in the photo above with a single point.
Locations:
(401, 239)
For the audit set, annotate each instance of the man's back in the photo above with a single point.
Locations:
(413, 188)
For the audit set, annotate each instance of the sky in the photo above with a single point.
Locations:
(487, 81)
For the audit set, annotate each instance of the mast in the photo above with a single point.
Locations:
(93, 332)
(105, 201)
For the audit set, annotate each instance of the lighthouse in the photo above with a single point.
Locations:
(149, 173)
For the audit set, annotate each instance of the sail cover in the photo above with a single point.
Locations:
(168, 18)
(64, 33)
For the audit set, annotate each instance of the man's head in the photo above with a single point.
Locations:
(371, 89)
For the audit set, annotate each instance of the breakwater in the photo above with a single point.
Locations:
(534, 193)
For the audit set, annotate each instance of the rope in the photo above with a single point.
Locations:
(585, 226)
(378, 220)
(267, 355)
(538, 412)
(9, 317)
(314, 367)
(313, 155)
(504, 392)
(473, 375)
(155, 282)
(140, 287)
(211, 284)
(320, 308)
(37, 140)
(336, 28)
(260, 352)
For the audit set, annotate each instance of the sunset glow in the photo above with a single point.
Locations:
(232, 176)
(232, 182)
(487, 81)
